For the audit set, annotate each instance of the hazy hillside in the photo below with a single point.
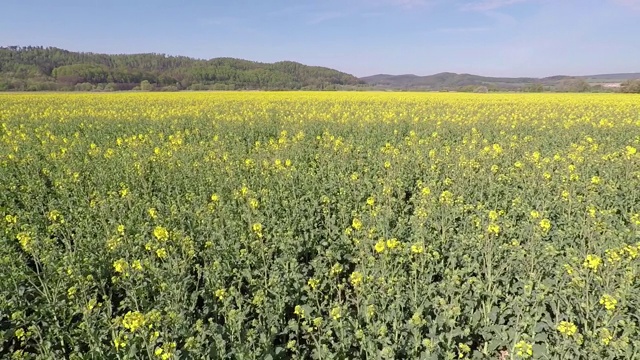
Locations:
(38, 68)
(453, 81)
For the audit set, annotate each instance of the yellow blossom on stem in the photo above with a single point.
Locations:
(161, 233)
(567, 328)
(592, 262)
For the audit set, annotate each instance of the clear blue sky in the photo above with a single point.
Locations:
(362, 37)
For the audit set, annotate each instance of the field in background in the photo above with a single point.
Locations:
(324, 225)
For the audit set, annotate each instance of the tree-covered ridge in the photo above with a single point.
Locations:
(50, 68)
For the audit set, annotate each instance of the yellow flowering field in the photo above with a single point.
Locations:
(319, 225)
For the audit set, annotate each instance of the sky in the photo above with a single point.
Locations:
(361, 37)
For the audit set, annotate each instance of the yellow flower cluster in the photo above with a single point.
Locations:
(609, 302)
(133, 320)
(567, 328)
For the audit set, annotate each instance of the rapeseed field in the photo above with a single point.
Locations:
(319, 225)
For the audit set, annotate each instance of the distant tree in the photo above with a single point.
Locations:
(198, 87)
(534, 88)
(630, 86)
(84, 87)
(573, 85)
(169, 88)
(145, 85)
(481, 89)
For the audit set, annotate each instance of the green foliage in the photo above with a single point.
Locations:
(146, 86)
(59, 68)
(631, 86)
(329, 226)
(573, 85)
(534, 88)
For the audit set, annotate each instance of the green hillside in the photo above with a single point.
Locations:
(39, 68)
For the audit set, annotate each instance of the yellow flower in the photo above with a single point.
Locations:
(55, 216)
(119, 343)
(335, 313)
(356, 278)
(161, 253)
(317, 322)
(120, 265)
(493, 215)
(215, 197)
(11, 219)
(257, 229)
(464, 350)
(632, 251)
(298, 310)
(380, 246)
(534, 214)
(523, 349)
(417, 248)
(356, 224)
(313, 283)
(336, 269)
(609, 302)
(393, 243)
(371, 310)
(493, 229)
(158, 351)
(133, 320)
(545, 225)
(605, 336)
(446, 197)
(592, 262)
(153, 213)
(568, 268)
(371, 201)
(595, 180)
(121, 229)
(253, 203)
(136, 265)
(161, 233)
(71, 292)
(567, 328)
(24, 238)
(220, 294)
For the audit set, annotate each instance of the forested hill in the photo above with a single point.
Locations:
(40, 68)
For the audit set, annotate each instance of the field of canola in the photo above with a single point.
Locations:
(319, 225)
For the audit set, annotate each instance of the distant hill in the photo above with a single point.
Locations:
(39, 68)
(453, 81)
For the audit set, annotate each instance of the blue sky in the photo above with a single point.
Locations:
(361, 37)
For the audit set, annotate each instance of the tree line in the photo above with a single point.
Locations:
(34, 68)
